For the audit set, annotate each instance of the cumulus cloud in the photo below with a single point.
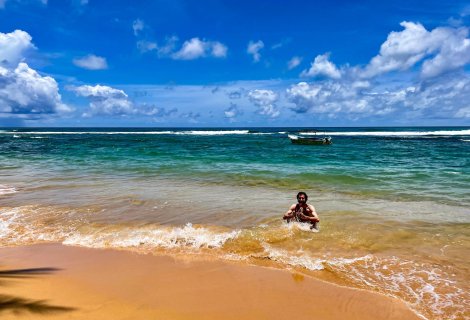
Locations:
(443, 49)
(294, 62)
(146, 46)
(353, 92)
(265, 100)
(254, 49)
(91, 62)
(25, 92)
(330, 97)
(105, 100)
(3, 2)
(444, 97)
(322, 66)
(137, 26)
(13, 47)
(196, 48)
(191, 49)
(232, 112)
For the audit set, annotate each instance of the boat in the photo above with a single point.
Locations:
(309, 140)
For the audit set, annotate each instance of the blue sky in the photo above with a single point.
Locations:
(234, 63)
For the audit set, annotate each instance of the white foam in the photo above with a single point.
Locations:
(416, 283)
(397, 133)
(287, 258)
(212, 133)
(294, 225)
(7, 219)
(7, 189)
(170, 238)
(188, 132)
(465, 140)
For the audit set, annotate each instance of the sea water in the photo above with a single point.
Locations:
(394, 202)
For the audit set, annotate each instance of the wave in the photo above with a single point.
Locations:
(426, 288)
(7, 189)
(189, 132)
(188, 237)
(397, 133)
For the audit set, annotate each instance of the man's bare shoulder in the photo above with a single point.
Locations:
(292, 207)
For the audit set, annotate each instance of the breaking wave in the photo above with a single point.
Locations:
(397, 133)
(428, 289)
(182, 132)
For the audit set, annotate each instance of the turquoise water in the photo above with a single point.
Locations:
(394, 203)
(427, 167)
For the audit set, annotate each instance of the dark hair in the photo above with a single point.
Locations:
(302, 193)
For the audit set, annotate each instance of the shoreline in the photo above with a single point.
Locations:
(63, 282)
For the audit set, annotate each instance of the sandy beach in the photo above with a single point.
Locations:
(59, 282)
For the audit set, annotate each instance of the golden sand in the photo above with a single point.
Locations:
(78, 283)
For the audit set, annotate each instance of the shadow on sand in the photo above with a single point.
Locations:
(19, 305)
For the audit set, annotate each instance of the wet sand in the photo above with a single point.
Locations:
(52, 281)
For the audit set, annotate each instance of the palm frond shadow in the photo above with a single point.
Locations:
(19, 305)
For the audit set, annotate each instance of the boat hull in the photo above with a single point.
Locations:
(311, 141)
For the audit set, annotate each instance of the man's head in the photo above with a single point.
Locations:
(302, 197)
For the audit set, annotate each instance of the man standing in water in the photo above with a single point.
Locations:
(302, 212)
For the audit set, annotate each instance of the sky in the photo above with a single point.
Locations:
(227, 63)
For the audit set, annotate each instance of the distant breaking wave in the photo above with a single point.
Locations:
(466, 132)
(396, 133)
(189, 132)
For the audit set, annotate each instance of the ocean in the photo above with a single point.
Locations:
(394, 202)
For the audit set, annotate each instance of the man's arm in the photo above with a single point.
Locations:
(313, 216)
(290, 213)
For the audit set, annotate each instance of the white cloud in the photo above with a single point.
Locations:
(3, 2)
(329, 97)
(254, 48)
(168, 48)
(463, 113)
(196, 48)
(294, 62)
(13, 47)
(443, 49)
(322, 66)
(105, 100)
(233, 111)
(25, 92)
(146, 46)
(138, 25)
(442, 98)
(265, 100)
(91, 62)
(453, 54)
(191, 49)
(219, 50)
